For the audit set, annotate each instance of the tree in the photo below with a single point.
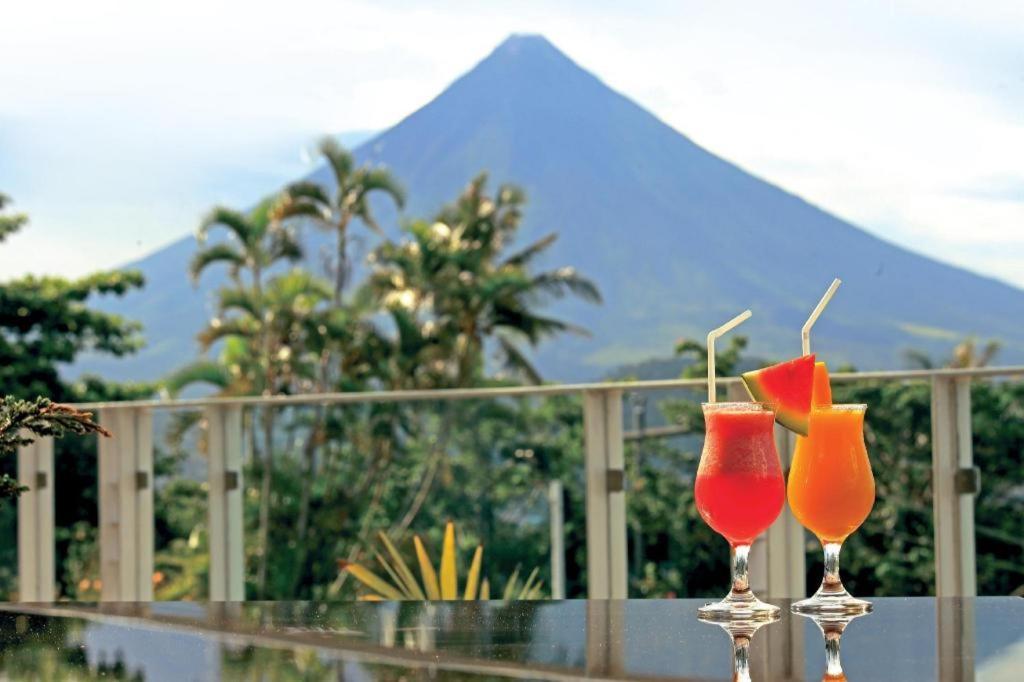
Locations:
(965, 354)
(334, 209)
(257, 242)
(455, 277)
(45, 325)
(22, 421)
(453, 289)
(9, 224)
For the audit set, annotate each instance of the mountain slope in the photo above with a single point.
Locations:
(677, 238)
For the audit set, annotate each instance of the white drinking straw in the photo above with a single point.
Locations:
(805, 331)
(714, 334)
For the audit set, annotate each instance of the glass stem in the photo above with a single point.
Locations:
(740, 579)
(831, 584)
(832, 664)
(741, 659)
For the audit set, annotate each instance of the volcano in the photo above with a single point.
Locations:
(678, 239)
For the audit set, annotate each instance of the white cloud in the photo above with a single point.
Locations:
(126, 116)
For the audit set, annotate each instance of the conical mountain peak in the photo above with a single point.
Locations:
(520, 45)
(525, 65)
(676, 238)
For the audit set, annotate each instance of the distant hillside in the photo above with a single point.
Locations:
(678, 239)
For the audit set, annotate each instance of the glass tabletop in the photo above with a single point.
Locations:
(903, 639)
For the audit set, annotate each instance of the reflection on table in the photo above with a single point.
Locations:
(741, 632)
(832, 626)
(904, 639)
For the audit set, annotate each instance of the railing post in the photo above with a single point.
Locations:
(606, 497)
(954, 484)
(35, 522)
(556, 520)
(125, 490)
(224, 469)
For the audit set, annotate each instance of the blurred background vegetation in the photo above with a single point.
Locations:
(452, 301)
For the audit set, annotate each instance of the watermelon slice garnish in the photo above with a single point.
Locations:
(821, 395)
(789, 387)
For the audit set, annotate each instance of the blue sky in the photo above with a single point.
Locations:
(122, 122)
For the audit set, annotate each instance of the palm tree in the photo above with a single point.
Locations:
(965, 354)
(456, 279)
(256, 243)
(453, 290)
(333, 210)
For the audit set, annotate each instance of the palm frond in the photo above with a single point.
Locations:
(517, 361)
(381, 180)
(262, 215)
(284, 246)
(338, 158)
(361, 210)
(566, 280)
(240, 299)
(198, 372)
(287, 287)
(305, 193)
(234, 221)
(218, 253)
(244, 328)
(989, 353)
(533, 327)
(526, 255)
(918, 359)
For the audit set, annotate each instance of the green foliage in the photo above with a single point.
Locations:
(454, 278)
(45, 324)
(11, 223)
(333, 209)
(40, 417)
(967, 353)
(22, 421)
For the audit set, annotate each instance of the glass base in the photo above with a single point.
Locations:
(739, 606)
(838, 603)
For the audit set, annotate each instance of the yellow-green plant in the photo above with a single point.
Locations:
(442, 584)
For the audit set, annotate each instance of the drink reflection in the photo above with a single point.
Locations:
(741, 632)
(832, 627)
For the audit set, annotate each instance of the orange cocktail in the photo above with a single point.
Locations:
(831, 491)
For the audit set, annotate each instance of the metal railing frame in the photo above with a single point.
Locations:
(126, 506)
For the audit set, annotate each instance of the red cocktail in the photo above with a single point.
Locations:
(739, 492)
